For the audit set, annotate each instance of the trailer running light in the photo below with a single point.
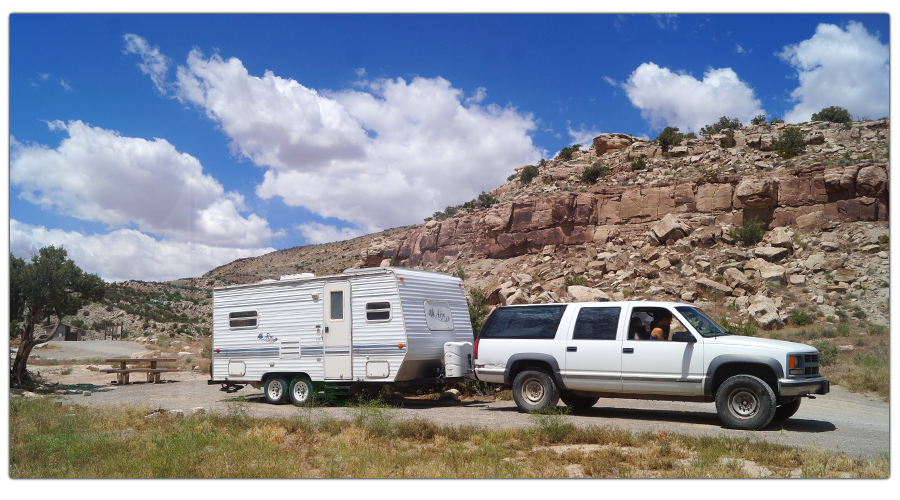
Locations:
(401, 278)
(460, 284)
(217, 350)
(400, 346)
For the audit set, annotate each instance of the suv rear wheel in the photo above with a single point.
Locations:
(534, 390)
(745, 402)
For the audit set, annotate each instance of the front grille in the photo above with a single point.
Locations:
(811, 358)
(811, 370)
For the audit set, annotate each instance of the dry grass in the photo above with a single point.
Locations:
(47, 440)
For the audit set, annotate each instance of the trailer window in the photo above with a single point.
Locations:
(337, 305)
(378, 311)
(242, 319)
(597, 323)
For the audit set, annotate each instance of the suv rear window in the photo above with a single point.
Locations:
(531, 322)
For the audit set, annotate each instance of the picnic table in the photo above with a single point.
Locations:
(153, 371)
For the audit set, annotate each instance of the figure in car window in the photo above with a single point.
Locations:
(637, 330)
(659, 330)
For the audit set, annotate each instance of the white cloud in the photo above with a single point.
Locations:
(665, 21)
(154, 63)
(667, 98)
(43, 76)
(126, 254)
(316, 232)
(611, 81)
(360, 72)
(847, 68)
(98, 175)
(583, 136)
(65, 84)
(387, 153)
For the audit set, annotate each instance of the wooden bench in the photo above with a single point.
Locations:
(153, 372)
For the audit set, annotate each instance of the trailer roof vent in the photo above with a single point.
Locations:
(301, 276)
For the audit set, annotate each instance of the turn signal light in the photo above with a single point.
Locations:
(792, 362)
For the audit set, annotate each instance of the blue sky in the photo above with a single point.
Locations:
(160, 146)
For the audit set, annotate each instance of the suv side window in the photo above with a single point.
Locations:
(528, 322)
(597, 323)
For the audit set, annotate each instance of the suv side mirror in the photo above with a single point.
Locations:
(683, 336)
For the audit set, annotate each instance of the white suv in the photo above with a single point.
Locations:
(581, 352)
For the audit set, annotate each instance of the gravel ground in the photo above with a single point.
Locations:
(88, 349)
(840, 421)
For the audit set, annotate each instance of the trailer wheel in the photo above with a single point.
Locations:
(534, 390)
(301, 392)
(275, 390)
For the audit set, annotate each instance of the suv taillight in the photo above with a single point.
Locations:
(475, 356)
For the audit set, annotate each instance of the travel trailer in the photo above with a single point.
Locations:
(302, 335)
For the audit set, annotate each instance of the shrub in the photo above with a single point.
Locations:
(833, 114)
(884, 239)
(759, 120)
(745, 327)
(723, 123)
(776, 120)
(511, 177)
(789, 143)
(478, 309)
(670, 136)
(690, 135)
(567, 152)
(751, 234)
(843, 330)
(827, 351)
(591, 173)
(638, 164)
(528, 173)
(877, 330)
(573, 280)
(801, 318)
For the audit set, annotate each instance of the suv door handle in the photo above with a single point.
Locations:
(571, 348)
(628, 350)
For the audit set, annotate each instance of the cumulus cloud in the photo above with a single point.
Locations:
(127, 254)
(98, 175)
(153, 62)
(668, 98)
(387, 153)
(583, 136)
(839, 67)
(316, 232)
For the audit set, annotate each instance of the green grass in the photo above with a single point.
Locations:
(51, 441)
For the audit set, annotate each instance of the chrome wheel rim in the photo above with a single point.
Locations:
(743, 403)
(301, 392)
(275, 390)
(533, 391)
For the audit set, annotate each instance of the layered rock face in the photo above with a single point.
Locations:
(818, 193)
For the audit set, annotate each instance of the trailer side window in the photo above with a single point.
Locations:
(337, 305)
(597, 323)
(378, 311)
(242, 319)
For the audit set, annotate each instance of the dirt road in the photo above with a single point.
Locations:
(856, 424)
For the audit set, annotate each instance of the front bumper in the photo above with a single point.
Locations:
(802, 387)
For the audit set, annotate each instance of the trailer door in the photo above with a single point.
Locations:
(336, 338)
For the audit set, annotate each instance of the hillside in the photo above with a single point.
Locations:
(661, 232)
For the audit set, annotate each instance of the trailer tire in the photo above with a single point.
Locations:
(745, 402)
(577, 402)
(534, 390)
(276, 390)
(301, 391)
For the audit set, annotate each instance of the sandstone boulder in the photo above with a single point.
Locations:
(610, 142)
(735, 278)
(780, 237)
(669, 228)
(517, 297)
(763, 311)
(871, 181)
(844, 275)
(757, 193)
(709, 286)
(576, 293)
(772, 273)
(771, 254)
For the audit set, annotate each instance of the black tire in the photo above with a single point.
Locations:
(787, 410)
(276, 390)
(577, 402)
(745, 402)
(534, 390)
(301, 391)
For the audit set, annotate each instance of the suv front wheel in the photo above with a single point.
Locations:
(534, 390)
(745, 402)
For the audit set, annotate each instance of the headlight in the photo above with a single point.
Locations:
(795, 365)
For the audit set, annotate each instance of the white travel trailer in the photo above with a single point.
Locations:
(301, 335)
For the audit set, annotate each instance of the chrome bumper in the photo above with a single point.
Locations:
(802, 387)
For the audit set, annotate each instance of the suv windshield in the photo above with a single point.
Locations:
(704, 325)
